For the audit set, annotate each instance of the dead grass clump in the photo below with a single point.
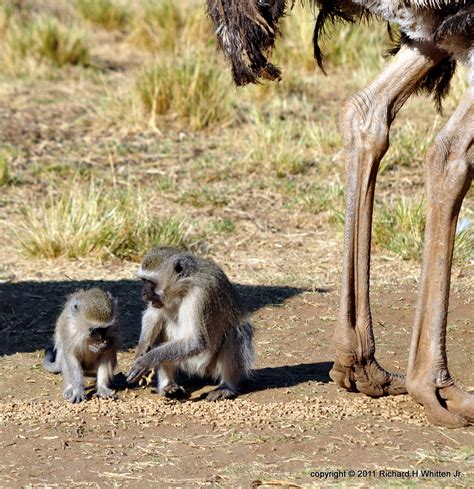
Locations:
(5, 16)
(295, 51)
(96, 221)
(4, 170)
(42, 39)
(192, 89)
(408, 147)
(109, 14)
(202, 197)
(351, 46)
(166, 25)
(277, 147)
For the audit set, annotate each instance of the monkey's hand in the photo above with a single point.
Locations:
(140, 352)
(140, 367)
(74, 395)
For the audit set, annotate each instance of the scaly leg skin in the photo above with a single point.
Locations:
(449, 171)
(365, 124)
(166, 383)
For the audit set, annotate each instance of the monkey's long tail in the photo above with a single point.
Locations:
(245, 333)
(49, 362)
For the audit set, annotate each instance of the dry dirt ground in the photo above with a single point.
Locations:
(290, 420)
(291, 426)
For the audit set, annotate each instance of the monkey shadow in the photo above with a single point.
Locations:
(260, 379)
(28, 310)
(279, 377)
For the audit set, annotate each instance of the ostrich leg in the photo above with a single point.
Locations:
(365, 124)
(449, 171)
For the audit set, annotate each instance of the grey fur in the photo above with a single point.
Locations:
(197, 324)
(79, 348)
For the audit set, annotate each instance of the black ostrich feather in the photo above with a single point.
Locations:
(247, 31)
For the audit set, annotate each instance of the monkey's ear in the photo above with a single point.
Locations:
(75, 305)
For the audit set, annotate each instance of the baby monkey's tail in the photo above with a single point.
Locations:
(49, 363)
(245, 339)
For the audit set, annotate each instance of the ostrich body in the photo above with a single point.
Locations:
(435, 33)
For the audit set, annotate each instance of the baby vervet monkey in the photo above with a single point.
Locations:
(194, 321)
(86, 340)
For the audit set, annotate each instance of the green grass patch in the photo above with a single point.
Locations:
(223, 226)
(319, 199)
(399, 227)
(191, 89)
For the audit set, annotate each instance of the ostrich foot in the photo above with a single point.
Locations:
(369, 378)
(447, 406)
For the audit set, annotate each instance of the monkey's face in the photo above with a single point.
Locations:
(166, 285)
(149, 294)
(99, 338)
(98, 334)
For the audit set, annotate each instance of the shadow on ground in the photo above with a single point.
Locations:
(261, 379)
(287, 376)
(28, 310)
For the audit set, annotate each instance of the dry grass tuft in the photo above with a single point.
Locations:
(408, 147)
(276, 147)
(109, 14)
(191, 88)
(4, 170)
(168, 26)
(95, 221)
(41, 39)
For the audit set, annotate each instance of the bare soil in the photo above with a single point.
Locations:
(290, 420)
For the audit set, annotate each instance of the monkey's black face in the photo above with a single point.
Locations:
(98, 334)
(149, 294)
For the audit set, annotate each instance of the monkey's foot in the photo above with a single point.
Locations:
(221, 393)
(447, 406)
(74, 395)
(370, 379)
(105, 393)
(174, 391)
